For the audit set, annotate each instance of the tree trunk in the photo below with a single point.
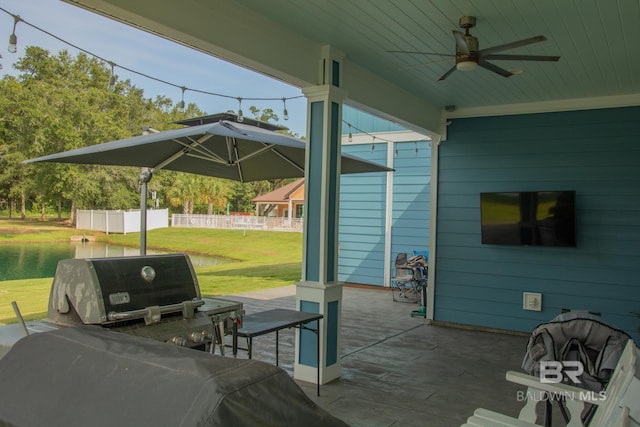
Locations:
(210, 208)
(72, 214)
(12, 207)
(59, 210)
(43, 205)
(23, 205)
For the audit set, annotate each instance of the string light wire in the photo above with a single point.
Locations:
(378, 138)
(113, 78)
(375, 137)
(147, 76)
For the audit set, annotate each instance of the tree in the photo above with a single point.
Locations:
(264, 115)
(18, 134)
(185, 191)
(59, 103)
(215, 193)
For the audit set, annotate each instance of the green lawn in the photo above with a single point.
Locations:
(262, 259)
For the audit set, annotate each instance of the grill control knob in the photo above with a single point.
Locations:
(148, 273)
(197, 337)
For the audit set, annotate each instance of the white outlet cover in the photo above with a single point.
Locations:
(532, 301)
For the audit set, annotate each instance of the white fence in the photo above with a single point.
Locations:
(120, 221)
(242, 222)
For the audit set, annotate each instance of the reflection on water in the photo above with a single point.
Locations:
(35, 260)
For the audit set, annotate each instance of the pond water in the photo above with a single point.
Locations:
(35, 260)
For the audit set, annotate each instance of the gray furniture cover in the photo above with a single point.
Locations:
(90, 376)
(577, 336)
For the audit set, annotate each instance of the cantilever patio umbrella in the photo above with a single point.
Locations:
(224, 149)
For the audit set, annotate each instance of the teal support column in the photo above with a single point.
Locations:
(319, 290)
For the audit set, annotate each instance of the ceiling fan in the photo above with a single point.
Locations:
(469, 56)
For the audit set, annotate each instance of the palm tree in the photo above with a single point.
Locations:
(215, 192)
(185, 190)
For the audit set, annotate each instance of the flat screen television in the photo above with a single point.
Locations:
(528, 218)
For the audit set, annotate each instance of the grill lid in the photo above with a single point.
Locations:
(99, 290)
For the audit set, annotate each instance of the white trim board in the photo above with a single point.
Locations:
(384, 137)
(547, 106)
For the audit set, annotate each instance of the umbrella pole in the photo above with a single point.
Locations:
(144, 178)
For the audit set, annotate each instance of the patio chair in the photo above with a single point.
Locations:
(616, 406)
(403, 283)
(576, 336)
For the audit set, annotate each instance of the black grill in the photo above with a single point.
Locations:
(155, 296)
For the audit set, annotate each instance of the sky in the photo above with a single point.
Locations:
(147, 54)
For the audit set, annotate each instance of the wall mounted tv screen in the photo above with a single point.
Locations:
(528, 218)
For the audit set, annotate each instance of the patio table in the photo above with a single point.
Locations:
(265, 322)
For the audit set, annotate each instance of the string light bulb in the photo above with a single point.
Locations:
(373, 142)
(113, 78)
(240, 115)
(180, 105)
(285, 113)
(13, 39)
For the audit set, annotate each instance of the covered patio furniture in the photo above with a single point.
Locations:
(89, 376)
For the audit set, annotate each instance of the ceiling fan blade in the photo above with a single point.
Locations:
(463, 48)
(408, 67)
(415, 52)
(445, 75)
(489, 66)
(512, 45)
(520, 58)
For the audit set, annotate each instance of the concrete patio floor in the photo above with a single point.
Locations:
(398, 370)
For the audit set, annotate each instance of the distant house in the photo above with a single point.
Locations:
(284, 202)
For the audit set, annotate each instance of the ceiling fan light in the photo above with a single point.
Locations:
(467, 65)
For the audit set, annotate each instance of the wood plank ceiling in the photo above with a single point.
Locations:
(596, 40)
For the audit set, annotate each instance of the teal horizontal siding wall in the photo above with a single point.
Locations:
(362, 219)
(411, 198)
(363, 202)
(363, 211)
(594, 152)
